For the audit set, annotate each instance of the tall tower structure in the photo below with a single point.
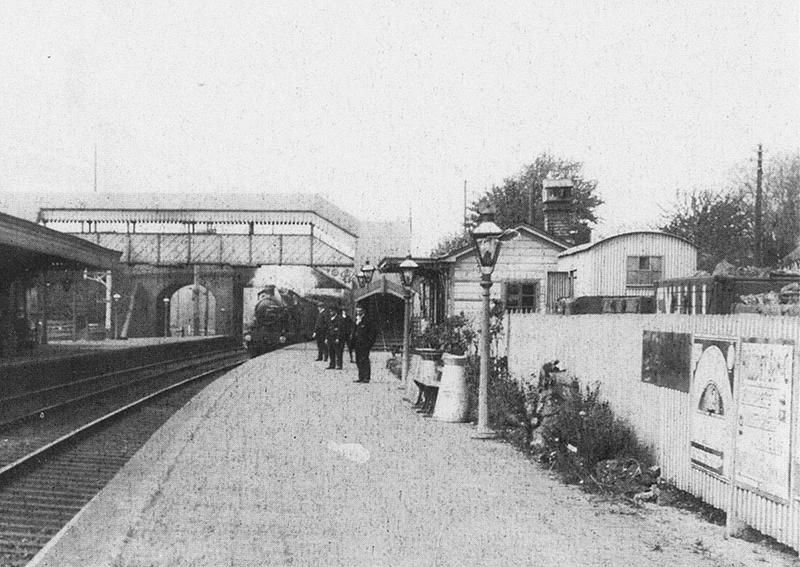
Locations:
(558, 207)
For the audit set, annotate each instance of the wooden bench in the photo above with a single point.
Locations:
(428, 391)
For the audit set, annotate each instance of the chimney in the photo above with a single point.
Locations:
(558, 207)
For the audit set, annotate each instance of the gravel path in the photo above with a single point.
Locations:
(285, 463)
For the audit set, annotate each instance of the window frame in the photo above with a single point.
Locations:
(644, 276)
(536, 295)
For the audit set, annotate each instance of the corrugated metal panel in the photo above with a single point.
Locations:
(602, 267)
(558, 286)
(608, 349)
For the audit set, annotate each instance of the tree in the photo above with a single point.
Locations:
(719, 224)
(722, 224)
(780, 204)
(451, 243)
(781, 210)
(512, 200)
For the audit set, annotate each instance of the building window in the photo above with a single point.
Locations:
(644, 270)
(522, 294)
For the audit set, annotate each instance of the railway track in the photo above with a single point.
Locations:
(44, 416)
(33, 402)
(60, 471)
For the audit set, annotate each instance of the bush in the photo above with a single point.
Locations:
(454, 335)
(575, 430)
(507, 399)
(584, 432)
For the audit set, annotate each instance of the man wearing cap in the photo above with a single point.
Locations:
(363, 337)
(321, 332)
(335, 340)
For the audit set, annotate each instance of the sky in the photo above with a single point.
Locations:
(389, 109)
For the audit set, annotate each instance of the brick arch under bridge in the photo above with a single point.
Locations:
(143, 289)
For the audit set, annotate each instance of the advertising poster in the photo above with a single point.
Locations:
(764, 420)
(713, 368)
(666, 359)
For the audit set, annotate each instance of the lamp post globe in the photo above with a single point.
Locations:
(368, 270)
(361, 278)
(486, 238)
(408, 268)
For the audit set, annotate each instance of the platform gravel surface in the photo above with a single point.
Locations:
(283, 462)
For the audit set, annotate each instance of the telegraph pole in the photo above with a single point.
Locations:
(758, 228)
(466, 222)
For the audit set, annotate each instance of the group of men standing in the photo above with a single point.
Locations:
(335, 329)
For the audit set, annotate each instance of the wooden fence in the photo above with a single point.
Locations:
(715, 396)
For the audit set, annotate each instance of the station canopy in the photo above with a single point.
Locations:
(28, 246)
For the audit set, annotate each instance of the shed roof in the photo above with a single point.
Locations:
(589, 245)
(456, 255)
(379, 287)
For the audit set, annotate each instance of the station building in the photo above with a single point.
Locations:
(33, 261)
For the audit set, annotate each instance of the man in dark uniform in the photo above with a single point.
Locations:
(335, 340)
(364, 335)
(347, 333)
(321, 332)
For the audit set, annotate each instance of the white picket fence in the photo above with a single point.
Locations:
(608, 349)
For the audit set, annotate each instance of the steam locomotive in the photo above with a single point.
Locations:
(280, 317)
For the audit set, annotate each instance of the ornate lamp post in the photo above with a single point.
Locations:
(407, 269)
(486, 238)
(364, 275)
(116, 298)
(368, 272)
(166, 316)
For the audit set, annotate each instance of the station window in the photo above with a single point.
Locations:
(644, 270)
(522, 294)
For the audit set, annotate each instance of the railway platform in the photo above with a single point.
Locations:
(58, 350)
(61, 363)
(283, 462)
